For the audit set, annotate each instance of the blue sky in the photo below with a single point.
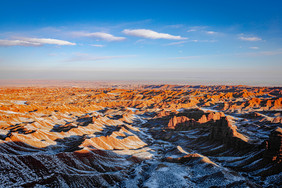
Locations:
(193, 42)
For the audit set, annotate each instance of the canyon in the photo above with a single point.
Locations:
(141, 136)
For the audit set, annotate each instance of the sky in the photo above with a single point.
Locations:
(191, 42)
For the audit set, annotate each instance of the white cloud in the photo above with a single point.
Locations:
(175, 43)
(97, 45)
(17, 43)
(252, 39)
(100, 35)
(196, 28)
(47, 41)
(211, 32)
(140, 41)
(203, 30)
(203, 40)
(146, 33)
(191, 30)
(33, 42)
(254, 48)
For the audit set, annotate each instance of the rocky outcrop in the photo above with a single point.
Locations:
(163, 113)
(277, 120)
(223, 131)
(215, 116)
(277, 104)
(191, 158)
(173, 122)
(185, 123)
(274, 146)
(117, 142)
(203, 119)
(181, 123)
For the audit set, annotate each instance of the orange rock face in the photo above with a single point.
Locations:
(215, 116)
(177, 120)
(183, 122)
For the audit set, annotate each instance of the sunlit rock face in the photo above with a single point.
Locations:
(141, 136)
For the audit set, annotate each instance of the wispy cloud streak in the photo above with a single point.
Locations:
(24, 41)
(251, 39)
(98, 45)
(100, 35)
(150, 34)
(175, 43)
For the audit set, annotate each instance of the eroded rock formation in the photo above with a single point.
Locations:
(112, 136)
(274, 146)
